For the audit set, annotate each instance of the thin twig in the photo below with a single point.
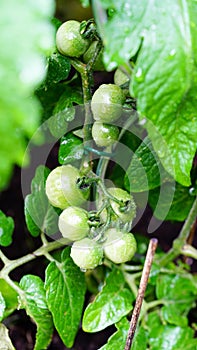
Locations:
(143, 283)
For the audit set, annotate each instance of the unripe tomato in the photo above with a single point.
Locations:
(98, 65)
(62, 189)
(54, 190)
(107, 103)
(119, 246)
(86, 253)
(69, 40)
(73, 223)
(127, 211)
(104, 134)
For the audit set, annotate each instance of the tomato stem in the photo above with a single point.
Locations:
(180, 241)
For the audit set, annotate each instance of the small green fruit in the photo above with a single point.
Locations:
(104, 134)
(62, 189)
(54, 190)
(69, 40)
(127, 211)
(107, 103)
(119, 246)
(73, 223)
(86, 253)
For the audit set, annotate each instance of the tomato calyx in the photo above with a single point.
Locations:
(88, 30)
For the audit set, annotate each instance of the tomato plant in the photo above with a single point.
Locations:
(111, 104)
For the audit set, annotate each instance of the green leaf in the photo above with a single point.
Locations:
(118, 339)
(58, 100)
(10, 298)
(22, 68)
(71, 149)
(63, 113)
(2, 306)
(58, 68)
(48, 96)
(65, 292)
(171, 208)
(179, 293)
(168, 337)
(6, 343)
(110, 305)
(6, 229)
(145, 171)
(40, 216)
(140, 340)
(36, 307)
(164, 80)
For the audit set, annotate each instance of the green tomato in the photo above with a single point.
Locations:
(127, 211)
(54, 190)
(120, 77)
(62, 189)
(104, 134)
(98, 65)
(73, 223)
(107, 103)
(86, 253)
(119, 246)
(69, 40)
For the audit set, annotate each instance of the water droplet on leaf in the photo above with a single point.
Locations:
(139, 75)
(192, 191)
(83, 270)
(172, 53)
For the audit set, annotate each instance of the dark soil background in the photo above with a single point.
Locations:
(22, 329)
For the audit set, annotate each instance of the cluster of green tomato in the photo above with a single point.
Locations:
(108, 99)
(103, 232)
(93, 234)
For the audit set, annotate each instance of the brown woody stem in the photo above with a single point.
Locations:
(140, 296)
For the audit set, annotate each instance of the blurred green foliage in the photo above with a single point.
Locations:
(27, 37)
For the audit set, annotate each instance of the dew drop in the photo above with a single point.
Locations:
(83, 270)
(173, 52)
(192, 191)
(143, 121)
(153, 27)
(139, 75)
(161, 153)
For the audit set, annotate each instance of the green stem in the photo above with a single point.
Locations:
(13, 264)
(188, 250)
(108, 195)
(154, 303)
(130, 279)
(181, 240)
(14, 286)
(132, 267)
(4, 258)
(86, 77)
